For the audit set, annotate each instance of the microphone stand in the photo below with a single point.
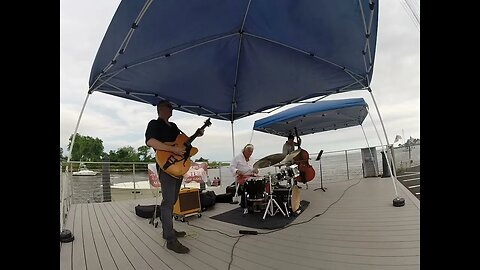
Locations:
(321, 174)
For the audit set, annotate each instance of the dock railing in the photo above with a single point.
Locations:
(117, 181)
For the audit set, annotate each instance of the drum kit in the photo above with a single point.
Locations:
(277, 192)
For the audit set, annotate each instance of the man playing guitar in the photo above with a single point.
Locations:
(242, 168)
(159, 132)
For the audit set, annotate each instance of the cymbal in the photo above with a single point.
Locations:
(288, 158)
(269, 161)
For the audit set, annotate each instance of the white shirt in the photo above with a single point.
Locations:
(239, 163)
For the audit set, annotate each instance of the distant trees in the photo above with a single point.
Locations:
(201, 159)
(410, 142)
(144, 154)
(126, 154)
(86, 148)
(213, 164)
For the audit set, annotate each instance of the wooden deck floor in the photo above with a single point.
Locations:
(359, 230)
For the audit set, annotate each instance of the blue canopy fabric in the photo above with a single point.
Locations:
(230, 59)
(315, 117)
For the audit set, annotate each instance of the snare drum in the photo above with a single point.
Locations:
(255, 189)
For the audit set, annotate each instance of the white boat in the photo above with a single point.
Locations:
(84, 171)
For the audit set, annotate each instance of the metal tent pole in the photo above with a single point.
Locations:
(383, 149)
(397, 201)
(76, 128)
(66, 235)
(234, 198)
(375, 165)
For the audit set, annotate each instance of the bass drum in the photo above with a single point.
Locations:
(289, 197)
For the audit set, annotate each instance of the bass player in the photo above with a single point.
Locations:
(159, 131)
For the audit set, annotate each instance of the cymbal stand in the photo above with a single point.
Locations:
(271, 201)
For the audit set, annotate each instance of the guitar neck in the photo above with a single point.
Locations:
(298, 137)
(195, 135)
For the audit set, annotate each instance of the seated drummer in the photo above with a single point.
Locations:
(242, 168)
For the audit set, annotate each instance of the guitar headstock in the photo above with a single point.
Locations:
(207, 123)
(199, 131)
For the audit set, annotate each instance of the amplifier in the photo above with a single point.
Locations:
(188, 203)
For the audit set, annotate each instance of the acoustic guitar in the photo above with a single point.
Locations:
(178, 165)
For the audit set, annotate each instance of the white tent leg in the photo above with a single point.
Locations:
(235, 196)
(386, 136)
(76, 128)
(375, 165)
(386, 156)
(233, 142)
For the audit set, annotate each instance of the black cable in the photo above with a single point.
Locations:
(275, 230)
(315, 216)
(233, 247)
(210, 230)
(231, 252)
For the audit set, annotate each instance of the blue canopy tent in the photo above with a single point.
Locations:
(230, 59)
(318, 117)
(315, 117)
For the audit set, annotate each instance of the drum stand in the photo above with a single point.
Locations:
(272, 201)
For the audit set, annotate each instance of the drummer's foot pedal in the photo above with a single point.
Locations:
(245, 211)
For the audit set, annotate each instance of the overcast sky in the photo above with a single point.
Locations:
(120, 122)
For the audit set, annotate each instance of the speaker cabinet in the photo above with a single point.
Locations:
(188, 203)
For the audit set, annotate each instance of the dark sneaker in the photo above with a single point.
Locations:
(177, 234)
(177, 247)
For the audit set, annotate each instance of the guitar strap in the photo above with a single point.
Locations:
(187, 150)
(181, 131)
(172, 160)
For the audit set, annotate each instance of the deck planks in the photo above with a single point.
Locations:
(353, 225)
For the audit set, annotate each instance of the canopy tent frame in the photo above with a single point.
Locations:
(107, 73)
(285, 122)
(102, 82)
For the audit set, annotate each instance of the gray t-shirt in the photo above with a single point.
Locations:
(287, 148)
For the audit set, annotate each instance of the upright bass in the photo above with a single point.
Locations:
(307, 173)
